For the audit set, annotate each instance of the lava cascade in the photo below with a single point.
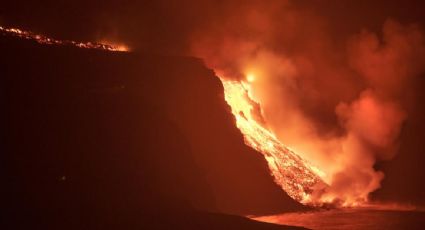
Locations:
(297, 177)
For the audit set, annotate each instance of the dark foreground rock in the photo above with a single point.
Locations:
(104, 140)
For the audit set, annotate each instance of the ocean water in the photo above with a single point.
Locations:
(353, 219)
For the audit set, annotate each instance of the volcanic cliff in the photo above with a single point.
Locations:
(91, 135)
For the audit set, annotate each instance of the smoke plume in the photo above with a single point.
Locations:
(337, 104)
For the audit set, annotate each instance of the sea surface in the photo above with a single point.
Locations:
(362, 219)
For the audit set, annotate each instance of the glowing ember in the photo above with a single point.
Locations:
(50, 41)
(250, 77)
(296, 176)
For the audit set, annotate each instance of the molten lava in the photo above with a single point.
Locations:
(50, 41)
(298, 178)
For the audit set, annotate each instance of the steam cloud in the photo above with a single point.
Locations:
(339, 105)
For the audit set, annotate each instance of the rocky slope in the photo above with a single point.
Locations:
(91, 135)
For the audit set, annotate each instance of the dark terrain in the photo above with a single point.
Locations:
(106, 140)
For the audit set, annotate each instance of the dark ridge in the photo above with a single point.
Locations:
(98, 139)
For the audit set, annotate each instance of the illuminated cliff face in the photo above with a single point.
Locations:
(296, 176)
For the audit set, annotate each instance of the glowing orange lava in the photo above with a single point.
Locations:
(296, 176)
(50, 41)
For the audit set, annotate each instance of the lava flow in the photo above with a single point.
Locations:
(50, 41)
(299, 179)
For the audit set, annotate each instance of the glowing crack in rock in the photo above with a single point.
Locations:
(50, 41)
(299, 179)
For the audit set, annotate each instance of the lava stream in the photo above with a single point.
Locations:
(297, 177)
(50, 41)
